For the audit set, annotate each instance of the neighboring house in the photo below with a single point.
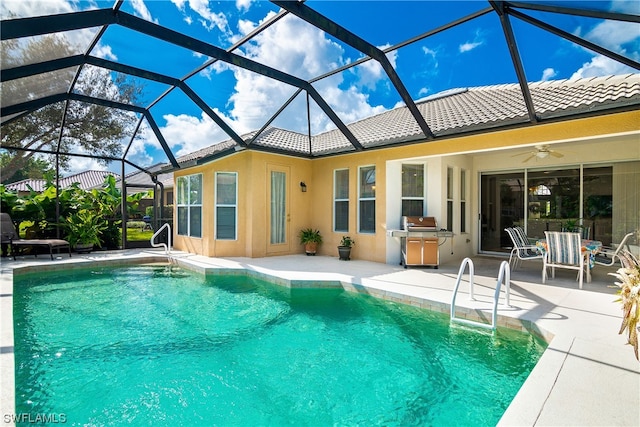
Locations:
(87, 180)
(141, 181)
(496, 169)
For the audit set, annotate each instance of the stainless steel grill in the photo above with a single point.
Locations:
(419, 223)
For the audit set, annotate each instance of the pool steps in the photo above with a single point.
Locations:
(504, 277)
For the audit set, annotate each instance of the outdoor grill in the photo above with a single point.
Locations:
(419, 223)
(420, 240)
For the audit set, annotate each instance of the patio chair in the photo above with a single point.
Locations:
(608, 255)
(522, 248)
(11, 238)
(564, 250)
(586, 233)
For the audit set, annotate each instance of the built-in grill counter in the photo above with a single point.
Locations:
(420, 241)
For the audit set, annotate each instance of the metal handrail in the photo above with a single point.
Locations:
(167, 247)
(504, 276)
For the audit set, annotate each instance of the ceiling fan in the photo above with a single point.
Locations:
(540, 152)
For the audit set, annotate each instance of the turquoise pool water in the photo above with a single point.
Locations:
(155, 345)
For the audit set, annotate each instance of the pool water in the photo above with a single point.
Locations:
(157, 345)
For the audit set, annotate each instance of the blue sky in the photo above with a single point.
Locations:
(472, 54)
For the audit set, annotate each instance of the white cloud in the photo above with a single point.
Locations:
(478, 41)
(601, 66)
(82, 164)
(141, 10)
(208, 18)
(469, 46)
(548, 74)
(102, 51)
(243, 4)
(27, 8)
(295, 48)
(615, 36)
(188, 133)
(299, 49)
(429, 52)
(179, 4)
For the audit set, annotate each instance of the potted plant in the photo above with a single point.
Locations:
(84, 228)
(310, 238)
(344, 249)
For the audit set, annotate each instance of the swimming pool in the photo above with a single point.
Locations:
(164, 346)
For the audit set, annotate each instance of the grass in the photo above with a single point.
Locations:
(134, 234)
(137, 232)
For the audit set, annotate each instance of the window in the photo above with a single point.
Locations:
(450, 199)
(341, 200)
(226, 205)
(190, 205)
(413, 202)
(367, 199)
(463, 201)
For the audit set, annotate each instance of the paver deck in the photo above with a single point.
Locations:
(588, 376)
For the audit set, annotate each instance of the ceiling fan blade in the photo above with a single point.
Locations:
(528, 158)
(522, 154)
(556, 154)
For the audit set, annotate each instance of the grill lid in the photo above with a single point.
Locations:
(419, 223)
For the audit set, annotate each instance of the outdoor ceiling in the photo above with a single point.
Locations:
(200, 72)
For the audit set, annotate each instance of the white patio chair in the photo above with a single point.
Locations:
(608, 255)
(564, 250)
(522, 249)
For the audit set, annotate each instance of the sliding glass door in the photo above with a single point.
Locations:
(577, 199)
(571, 200)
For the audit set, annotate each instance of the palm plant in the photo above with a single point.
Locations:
(629, 283)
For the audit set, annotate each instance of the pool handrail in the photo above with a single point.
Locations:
(167, 247)
(504, 276)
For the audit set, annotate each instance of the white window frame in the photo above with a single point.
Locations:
(450, 205)
(336, 199)
(227, 205)
(464, 206)
(366, 199)
(188, 205)
(422, 198)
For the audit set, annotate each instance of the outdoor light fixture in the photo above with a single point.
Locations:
(303, 186)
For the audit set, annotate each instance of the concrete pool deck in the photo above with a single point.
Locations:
(588, 376)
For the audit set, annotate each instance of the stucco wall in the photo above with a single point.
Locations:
(610, 138)
(252, 222)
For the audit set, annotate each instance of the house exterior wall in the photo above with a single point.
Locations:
(609, 138)
(252, 225)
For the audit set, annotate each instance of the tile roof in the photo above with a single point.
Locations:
(456, 111)
(143, 179)
(87, 180)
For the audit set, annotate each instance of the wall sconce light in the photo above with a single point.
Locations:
(303, 186)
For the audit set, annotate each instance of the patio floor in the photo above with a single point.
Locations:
(586, 377)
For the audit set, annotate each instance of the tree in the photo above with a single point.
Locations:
(88, 128)
(35, 168)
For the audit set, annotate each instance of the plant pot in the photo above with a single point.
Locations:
(310, 248)
(83, 248)
(344, 252)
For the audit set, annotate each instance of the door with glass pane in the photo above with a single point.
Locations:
(278, 218)
(501, 206)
